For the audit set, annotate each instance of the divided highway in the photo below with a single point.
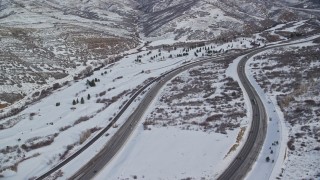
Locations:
(121, 136)
(125, 130)
(238, 167)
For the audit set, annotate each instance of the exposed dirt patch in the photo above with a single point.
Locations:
(239, 138)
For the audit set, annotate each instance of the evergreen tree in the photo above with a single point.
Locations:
(88, 96)
(92, 83)
(77, 100)
(74, 102)
(82, 100)
(267, 159)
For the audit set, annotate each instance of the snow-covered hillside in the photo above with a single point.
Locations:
(53, 128)
(45, 42)
(209, 19)
(290, 79)
(67, 68)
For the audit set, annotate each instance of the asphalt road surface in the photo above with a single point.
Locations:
(114, 139)
(251, 149)
(247, 156)
(121, 136)
(236, 170)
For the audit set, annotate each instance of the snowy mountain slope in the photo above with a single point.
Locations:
(208, 19)
(45, 133)
(44, 41)
(54, 39)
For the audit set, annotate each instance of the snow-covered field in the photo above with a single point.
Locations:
(170, 153)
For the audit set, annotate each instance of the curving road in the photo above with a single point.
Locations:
(236, 170)
(243, 162)
(251, 149)
(121, 136)
(123, 133)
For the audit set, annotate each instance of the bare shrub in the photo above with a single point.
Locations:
(146, 124)
(109, 89)
(56, 86)
(101, 109)
(35, 94)
(64, 128)
(86, 134)
(177, 80)
(56, 175)
(69, 148)
(14, 167)
(270, 37)
(9, 149)
(188, 178)
(38, 142)
(195, 72)
(310, 102)
(120, 77)
(31, 115)
(291, 144)
(236, 114)
(81, 119)
(299, 135)
(214, 117)
(284, 101)
(226, 125)
(44, 93)
(210, 92)
(102, 93)
(86, 72)
(317, 40)
(204, 123)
